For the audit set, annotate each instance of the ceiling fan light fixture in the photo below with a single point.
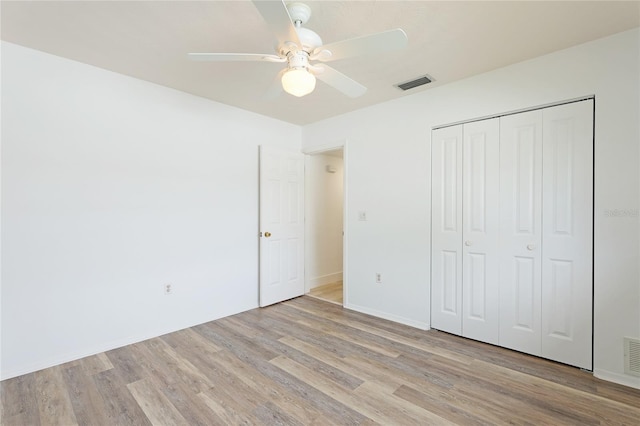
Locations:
(298, 82)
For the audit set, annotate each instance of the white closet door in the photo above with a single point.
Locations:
(446, 229)
(480, 230)
(567, 233)
(520, 233)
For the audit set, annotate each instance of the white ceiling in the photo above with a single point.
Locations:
(448, 40)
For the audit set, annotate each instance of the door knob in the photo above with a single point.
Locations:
(267, 234)
(531, 247)
(468, 243)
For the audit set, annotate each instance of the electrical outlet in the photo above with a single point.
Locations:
(168, 289)
(378, 278)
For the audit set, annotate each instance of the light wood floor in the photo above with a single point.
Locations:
(308, 362)
(329, 292)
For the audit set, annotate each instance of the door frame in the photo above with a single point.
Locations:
(319, 150)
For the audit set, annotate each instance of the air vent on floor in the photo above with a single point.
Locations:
(632, 356)
(415, 83)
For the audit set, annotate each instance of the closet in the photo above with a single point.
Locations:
(512, 231)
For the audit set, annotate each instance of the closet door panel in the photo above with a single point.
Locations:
(567, 288)
(446, 229)
(480, 230)
(520, 231)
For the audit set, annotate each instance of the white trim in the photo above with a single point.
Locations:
(391, 317)
(105, 347)
(307, 280)
(324, 279)
(345, 222)
(518, 111)
(621, 379)
(319, 149)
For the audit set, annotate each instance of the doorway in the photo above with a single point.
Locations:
(324, 225)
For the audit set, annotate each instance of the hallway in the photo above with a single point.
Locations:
(331, 292)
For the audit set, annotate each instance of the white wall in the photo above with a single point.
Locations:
(323, 220)
(112, 187)
(389, 176)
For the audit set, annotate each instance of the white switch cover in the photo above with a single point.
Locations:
(362, 215)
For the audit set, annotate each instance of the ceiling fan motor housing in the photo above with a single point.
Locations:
(298, 60)
(309, 39)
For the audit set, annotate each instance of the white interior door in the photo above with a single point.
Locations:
(480, 230)
(520, 232)
(567, 221)
(281, 225)
(446, 229)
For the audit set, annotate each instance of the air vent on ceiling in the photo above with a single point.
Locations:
(415, 83)
(632, 356)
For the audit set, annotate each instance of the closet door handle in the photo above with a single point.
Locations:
(468, 243)
(531, 247)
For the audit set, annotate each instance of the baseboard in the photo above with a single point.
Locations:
(621, 379)
(325, 279)
(103, 347)
(73, 356)
(391, 317)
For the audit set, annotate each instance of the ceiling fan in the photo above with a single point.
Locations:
(297, 46)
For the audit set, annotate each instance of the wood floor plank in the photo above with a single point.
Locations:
(180, 365)
(616, 392)
(122, 360)
(271, 414)
(389, 374)
(407, 370)
(286, 326)
(233, 408)
(584, 406)
(510, 409)
(19, 401)
(158, 409)
(411, 342)
(54, 402)
(272, 341)
(452, 405)
(310, 362)
(87, 402)
(396, 408)
(193, 408)
(320, 307)
(259, 358)
(368, 402)
(96, 363)
(154, 365)
(189, 338)
(177, 387)
(281, 396)
(121, 408)
(363, 372)
(351, 337)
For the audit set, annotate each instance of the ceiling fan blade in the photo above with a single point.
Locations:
(365, 45)
(339, 81)
(276, 15)
(227, 57)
